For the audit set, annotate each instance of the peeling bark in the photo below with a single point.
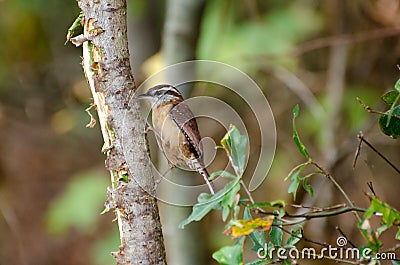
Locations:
(107, 69)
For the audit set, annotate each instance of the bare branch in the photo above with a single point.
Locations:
(362, 139)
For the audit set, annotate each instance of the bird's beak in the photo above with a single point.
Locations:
(144, 96)
(148, 97)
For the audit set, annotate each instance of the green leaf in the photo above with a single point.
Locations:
(397, 237)
(390, 216)
(276, 234)
(392, 109)
(373, 242)
(260, 262)
(390, 97)
(395, 262)
(76, 25)
(257, 237)
(296, 138)
(225, 213)
(278, 203)
(308, 187)
(124, 178)
(381, 229)
(243, 201)
(293, 187)
(295, 181)
(229, 198)
(397, 85)
(235, 146)
(391, 128)
(230, 255)
(223, 174)
(236, 211)
(294, 238)
(206, 203)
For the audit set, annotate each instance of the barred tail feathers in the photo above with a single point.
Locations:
(203, 171)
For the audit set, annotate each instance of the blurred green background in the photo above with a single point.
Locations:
(319, 54)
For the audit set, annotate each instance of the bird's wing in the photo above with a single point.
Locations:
(184, 118)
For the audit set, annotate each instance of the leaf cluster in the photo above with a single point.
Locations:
(264, 223)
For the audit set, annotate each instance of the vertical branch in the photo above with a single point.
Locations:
(179, 42)
(181, 32)
(334, 95)
(335, 85)
(107, 69)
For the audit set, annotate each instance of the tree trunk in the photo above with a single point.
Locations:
(107, 69)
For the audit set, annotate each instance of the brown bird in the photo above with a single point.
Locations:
(176, 130)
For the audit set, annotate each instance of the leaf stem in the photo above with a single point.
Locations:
(247, 191)
(370, 110)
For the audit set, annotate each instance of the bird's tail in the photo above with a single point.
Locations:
(203, 171)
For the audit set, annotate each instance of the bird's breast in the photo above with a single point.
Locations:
(169, 137)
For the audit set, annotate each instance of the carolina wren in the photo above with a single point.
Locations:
(176, 130)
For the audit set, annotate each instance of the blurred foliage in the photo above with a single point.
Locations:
(354, 117)
(79, 206)
(100, 252)
(237, 42)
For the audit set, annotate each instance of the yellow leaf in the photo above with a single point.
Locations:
(245, 227)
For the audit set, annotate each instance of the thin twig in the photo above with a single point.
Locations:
(344, 39)
(247, 191)
(337, 206)
(312, 215)
(333, 41)
(302, 237)
(357, 153)
(307, 216)
(371, 110)
(302, 206)
(361, 137)
(241, 180)
(371, 188)
(343, 234)
(330, 177)
(317, 209)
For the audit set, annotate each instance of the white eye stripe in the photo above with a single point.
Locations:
(169, 88)
(166, 88)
